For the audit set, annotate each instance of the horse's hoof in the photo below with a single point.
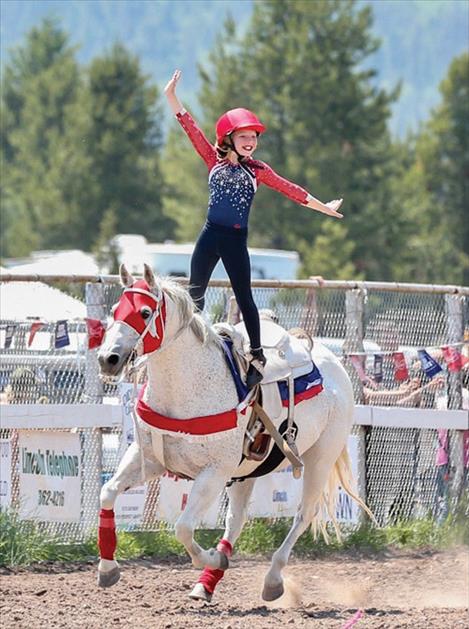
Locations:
(272, 593)
(199, 593)
(106, 579)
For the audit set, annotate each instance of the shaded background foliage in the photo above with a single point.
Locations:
(87, 151)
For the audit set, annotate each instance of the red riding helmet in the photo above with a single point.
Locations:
(236, 119)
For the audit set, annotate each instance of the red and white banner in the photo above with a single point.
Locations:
(454, 359)
(401, 372)
(96, 331)
(35, 327)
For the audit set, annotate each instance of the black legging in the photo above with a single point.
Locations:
(229, 244)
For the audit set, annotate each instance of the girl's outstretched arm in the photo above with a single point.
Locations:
(203, 147)
(265, 174)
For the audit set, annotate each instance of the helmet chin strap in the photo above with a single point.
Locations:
(233, 148)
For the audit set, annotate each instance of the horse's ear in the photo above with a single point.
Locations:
(127, 279)
(151, 280)
(149, 276)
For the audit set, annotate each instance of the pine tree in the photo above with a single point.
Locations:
(124, 143)
(185, 199)
(39, 90)
(78, 148)
(443, 155)
(431, 188)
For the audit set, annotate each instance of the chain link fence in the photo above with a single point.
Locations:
(406, 473)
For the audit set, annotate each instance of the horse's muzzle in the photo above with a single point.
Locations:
(110, 363)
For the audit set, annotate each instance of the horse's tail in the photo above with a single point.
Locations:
(340, 476)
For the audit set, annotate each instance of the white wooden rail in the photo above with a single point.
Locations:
(67, 416)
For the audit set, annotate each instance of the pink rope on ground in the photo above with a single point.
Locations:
(355, 618)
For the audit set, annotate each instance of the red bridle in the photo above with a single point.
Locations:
(133, 304)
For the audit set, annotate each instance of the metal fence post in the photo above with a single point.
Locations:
(233, 311)
(95, 309)
(92, 439)
(354, 332)
(455, 335)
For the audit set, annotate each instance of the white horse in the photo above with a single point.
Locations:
(188, 378)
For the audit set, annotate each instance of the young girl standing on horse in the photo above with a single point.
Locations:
(233, 179)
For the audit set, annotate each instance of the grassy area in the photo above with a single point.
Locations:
(23, 542)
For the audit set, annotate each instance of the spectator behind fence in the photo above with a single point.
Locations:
(407, 394)
(404, 475)
(23, 388)
(417, 391)
(443, 463)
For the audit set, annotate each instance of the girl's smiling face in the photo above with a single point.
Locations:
(245, 141)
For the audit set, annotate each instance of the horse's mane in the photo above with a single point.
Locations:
(189, 318)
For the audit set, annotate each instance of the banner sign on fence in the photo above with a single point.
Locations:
(49, 476)
(172, 500)
(127, 400)
(129, 506)
(275, 496)
(278, 495)
(5, 473)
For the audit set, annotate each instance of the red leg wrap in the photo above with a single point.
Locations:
(209, 577)
(107, 540)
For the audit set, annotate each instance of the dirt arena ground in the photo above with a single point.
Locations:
(418, 590)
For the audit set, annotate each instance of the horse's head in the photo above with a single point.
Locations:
(138, 322)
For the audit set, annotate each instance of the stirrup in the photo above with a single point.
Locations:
(256, 368)
(258, 448)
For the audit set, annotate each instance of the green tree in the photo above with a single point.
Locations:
(39, 91)
(442, 156)
(299, 66)
(124, 143)
(80, 150)
(431, 186)
(44, 46)
(185, 177)
(333, 237)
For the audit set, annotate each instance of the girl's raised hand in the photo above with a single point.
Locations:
(171, 85)
(333, 206)
(326, 208)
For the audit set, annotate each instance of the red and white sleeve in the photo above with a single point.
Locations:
(199, 141)
(266, 175)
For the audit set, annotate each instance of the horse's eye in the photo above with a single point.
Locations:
(145, 312)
